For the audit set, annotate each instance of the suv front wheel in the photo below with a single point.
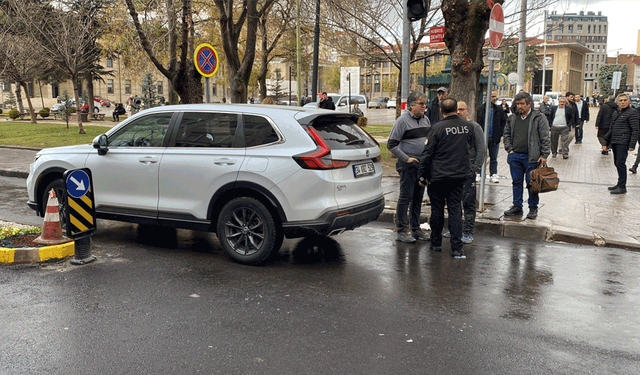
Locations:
(247, 231)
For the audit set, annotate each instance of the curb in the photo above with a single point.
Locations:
(36, 254)
(547, 233)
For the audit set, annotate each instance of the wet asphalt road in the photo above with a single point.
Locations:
(170, 302)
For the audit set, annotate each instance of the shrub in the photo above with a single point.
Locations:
(44, 112)
(73, 110)
(362, 121)
(0, 110)
(14, 114)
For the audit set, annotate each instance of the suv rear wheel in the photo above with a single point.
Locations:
(247, 231)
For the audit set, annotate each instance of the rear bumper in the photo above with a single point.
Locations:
(336, 221)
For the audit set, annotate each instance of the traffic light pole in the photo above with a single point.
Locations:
(406, 51)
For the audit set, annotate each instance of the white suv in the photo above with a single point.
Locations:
(250, 173)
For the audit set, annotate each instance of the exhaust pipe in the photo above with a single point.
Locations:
(336, 232)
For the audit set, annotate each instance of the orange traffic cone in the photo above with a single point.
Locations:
(51, 229)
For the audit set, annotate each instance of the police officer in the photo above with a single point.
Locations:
(444, 167)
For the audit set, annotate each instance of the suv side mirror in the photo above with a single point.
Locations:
(100, 142)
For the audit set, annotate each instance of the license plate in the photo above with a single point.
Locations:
(360, 170)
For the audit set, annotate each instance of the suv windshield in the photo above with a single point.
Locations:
(342, 134)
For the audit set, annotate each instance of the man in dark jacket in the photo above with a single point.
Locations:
(497, 121)
(526, 139)
(583, 116)
(444, 167)
(433, 112)
(603, 120)
(622, 138)
(326, 102)
(545, 108)
(571, 106)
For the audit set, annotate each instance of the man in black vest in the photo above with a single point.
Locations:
(583, 116)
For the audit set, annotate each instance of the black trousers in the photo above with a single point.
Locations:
(469, 204)
(579, 131)
(447, 192)
(409, 198)
(620, 153)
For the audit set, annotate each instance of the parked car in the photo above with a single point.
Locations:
(103, 102)
(251, 174)
(391, 103)
(56, 107)
(340, 101)
(378, 103)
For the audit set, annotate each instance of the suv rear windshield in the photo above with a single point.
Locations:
(343, 134)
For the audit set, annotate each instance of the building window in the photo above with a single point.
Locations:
(570, 29)
(109, 63)
(214, 90)
(569, 38)
(589, 29)
(605, 29)
(127, 86)
(109, 86)
(579, 28)
(159, 91)
(597, 57)
(559, 38)
(599, 29)
(561, 28)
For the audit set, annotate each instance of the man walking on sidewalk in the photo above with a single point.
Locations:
(622, 138)
(526, 139)
(583, 116)
(603, 121)
(406, 142)
(561, 121)
(477, 154)
(444, 167)
(497, 120)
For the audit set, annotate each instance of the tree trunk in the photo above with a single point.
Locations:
(31, 110)
(466, 23)
(19, 98)
(188, 84)
(74, 79)
(89, 78)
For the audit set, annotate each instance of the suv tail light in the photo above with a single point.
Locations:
(318, 158)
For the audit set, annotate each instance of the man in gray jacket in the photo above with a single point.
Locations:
(526, 139)
(406, 142)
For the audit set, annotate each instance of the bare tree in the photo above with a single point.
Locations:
(21, 63)
(180, 71)
(373, 32)
(237, 19)
(272, 26)
(63, 33)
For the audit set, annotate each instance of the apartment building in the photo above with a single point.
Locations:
(588, 29)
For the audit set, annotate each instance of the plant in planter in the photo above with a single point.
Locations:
(14, 114)
(44, 112)
(362, 121)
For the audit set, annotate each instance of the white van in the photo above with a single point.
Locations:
(553, 97)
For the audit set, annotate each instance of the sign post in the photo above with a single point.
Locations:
(496, 30)
(206, 60)
(81, 213)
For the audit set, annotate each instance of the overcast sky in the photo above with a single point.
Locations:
(623, 17)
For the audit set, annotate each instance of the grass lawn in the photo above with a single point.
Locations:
(43, 135)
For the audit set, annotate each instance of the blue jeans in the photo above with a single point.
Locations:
(520, 168)
(493, 156)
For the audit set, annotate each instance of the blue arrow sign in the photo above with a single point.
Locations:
(78, 183)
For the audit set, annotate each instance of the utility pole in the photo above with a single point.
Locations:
(406, 51)
(316, 47)
(521, 45)
(298, 54)
(544, 53)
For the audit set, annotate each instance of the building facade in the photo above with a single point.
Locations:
(588, 29)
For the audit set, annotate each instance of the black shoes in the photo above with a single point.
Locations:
(565, 156)
(614, 187)
(605, 152)
(618, 190)
(633, 169)
(457, 254)
(436, 248)
(513, 211)
(533, 213)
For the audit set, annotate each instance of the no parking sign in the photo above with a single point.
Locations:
(206, 60)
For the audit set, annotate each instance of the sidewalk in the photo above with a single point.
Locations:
(582, 211)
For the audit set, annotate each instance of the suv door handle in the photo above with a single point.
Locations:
(224, 161)
(148, 160)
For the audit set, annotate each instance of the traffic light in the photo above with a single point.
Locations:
(417, 9)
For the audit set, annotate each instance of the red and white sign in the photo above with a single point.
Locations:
(436, 34)
(496, 26)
